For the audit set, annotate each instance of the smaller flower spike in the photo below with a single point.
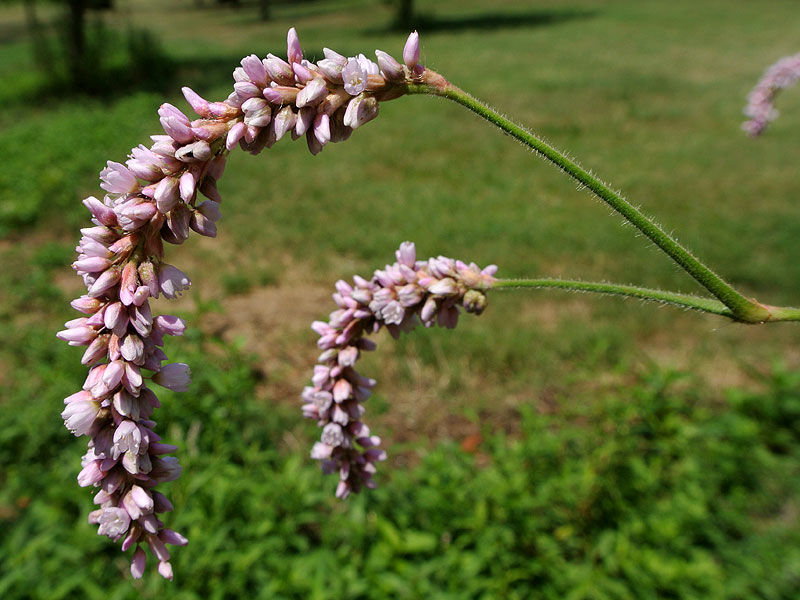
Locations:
(760, 102)
(397, 298)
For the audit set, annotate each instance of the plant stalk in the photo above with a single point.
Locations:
(740, 307)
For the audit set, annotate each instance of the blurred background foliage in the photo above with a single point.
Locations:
(557, 446)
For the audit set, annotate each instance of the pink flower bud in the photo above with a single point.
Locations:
(187, 186)
(198, 104)
(391, 69)
(260, 117)
(124, 244)
(90, 474)
(86, 305)
(360, 110)
(80, 416)
(128, 283)
(294, 51)
(322, 129)
(411, 51)
(334, 56)
(172, 281)
(331, 70)
(198, 151)
(175, 376)
(138, 563)
(169, 536)
(178, 223)
(80, 336)
(284, 121)
(104, 214)
(305, 119)
(234, 135)
(132, 349)
(117, 179)
(113, 374)
(166, 194)
(96, 350)
(303, 74)
(255, 71)
(313, 93)
(281, 95)
(165, 570)
(177, 130)
(92, 264)
(202, 225)
(279, 70)
(444, 287)
(169, 110)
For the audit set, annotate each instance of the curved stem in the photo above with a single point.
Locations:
(744, 309)
(707, 305)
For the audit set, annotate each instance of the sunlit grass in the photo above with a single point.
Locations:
(646, 94)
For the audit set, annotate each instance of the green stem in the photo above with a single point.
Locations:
(744, 309)
(683, 300)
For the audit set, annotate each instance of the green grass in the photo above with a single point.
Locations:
(599, 476)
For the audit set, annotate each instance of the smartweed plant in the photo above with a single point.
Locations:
(166, 190)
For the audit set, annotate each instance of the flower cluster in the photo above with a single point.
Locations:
(760, 108)
(160, 194)
(397, 297)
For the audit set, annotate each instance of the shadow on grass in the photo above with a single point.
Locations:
(535, 18)
(164, 75)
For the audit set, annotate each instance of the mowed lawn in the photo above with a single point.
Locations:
(528, 446)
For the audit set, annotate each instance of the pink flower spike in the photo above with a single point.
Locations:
(294, 51)
(411, 51)
(137, 563)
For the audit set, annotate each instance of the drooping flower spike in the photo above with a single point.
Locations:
(397, 297)
(160, 194)
(760, 102)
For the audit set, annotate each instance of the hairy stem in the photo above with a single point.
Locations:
(741, 307)
(707, 305)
